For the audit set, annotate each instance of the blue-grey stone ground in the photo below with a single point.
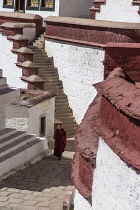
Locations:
(39, 187)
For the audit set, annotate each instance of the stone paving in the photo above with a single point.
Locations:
(39, 187)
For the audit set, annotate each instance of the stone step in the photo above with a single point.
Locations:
(61, 104)
(64, 115)
(59, 100)
(47, 73)
(3, 87)
(16, 144)
(3, 81)
(42, 62)
(65, 108)
(48, 70)
(53, 90)
(48, 65)
(61, 96)
(41, 59)
(53, 84)
(11, 138)
(7, 132)
(36, 49)
(68, 122)
(65, 111)
(63, 118)
(0, 72)
(21, 156)
(47, 77)
(51, 81)
(40, 52)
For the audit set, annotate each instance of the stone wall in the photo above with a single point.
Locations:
(121, 11)
(113, 181)
(78, 67)
(8, 62)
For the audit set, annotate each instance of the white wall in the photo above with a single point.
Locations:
(79, 67)
(7, 64)
(28, 119)
(75, 8)
(119, 10)
(45, 108)
(30, 33)
(115, 185)
(17, 117)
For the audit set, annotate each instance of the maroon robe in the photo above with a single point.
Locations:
(60, 142)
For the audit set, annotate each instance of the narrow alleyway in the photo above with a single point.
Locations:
(39, 187)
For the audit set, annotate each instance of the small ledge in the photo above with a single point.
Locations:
(137, 3)
(17, 37)
(75, 41)
(99, 2)
(17, 15)
(17, 25)
(25, 50)
(32, 78)
(95, 9)
(29, 64)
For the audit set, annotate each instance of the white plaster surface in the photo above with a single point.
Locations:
(7, 64)
(30, 33)
(79, 67)
(119, 10)
(28, 118)
(80, 203)
(17, 117)
(115, 185)
(75, 8)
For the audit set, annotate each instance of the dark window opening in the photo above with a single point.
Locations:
(47, 5)
(8, 4)
(42, 126)
(32, 5)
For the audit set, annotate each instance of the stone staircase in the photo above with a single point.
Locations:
(49, 73)
(17, 149)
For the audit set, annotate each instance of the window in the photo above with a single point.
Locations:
(8, 4)
(48, 3)
(32, 5)
(43, 5)
(42, 126)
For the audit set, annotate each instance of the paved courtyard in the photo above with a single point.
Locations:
(39, 187)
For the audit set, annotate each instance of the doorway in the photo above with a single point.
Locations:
(42, 126)
(20, 6)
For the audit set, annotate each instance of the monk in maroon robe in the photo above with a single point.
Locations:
(60, 138)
